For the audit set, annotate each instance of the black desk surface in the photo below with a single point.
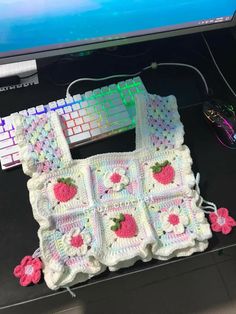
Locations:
(18, 230)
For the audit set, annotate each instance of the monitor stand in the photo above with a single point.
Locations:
(18, 74)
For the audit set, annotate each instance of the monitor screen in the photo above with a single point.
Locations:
(28, 26)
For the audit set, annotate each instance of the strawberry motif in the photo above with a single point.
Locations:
(64, 189)
(125, 226)
(163, 173)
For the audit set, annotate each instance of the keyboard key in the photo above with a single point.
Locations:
(6, 160)
(60, 111)
(90, 110)
(105, 90)
(4, 136)
(92, 102)
(118, 117)
(16, 157)
(141, 88)
(68, 132)
(87, 118)
(128, 99)
(7, 120)
(40, 109)
(137, 80)
(110, 97)
(76, 107)
(6, 143)
(129, 82)
(12, 133)
(95, 132)
(70, 124)
(83, 104)
(78, 121)
(113, 87)
(31, 111)
(133, 90)
(107, 105)
(9, 150)
(79, 137)
(117, 102)
(121, 85)
(88, 94)
(77, 97)
(66, 116)
(74, 114)
(69, 100)
(8, 127)
(97, 92)
(52, 105)
(67, 109)
(107, 128)
(94, 124)
(103, 115)
(82, 112)
(61, 103)
(24, 113)
(114, 110)
(77, 129)
(121, 124)
(85, 127)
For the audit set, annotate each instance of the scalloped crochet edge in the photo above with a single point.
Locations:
(194, 244)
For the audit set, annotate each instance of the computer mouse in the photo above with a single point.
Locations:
(222, 117)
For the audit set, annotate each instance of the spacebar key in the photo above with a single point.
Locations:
(9, 150)
(79, 137)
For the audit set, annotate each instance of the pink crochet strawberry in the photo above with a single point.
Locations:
(163, 172)
(125, 226)
(64, 189)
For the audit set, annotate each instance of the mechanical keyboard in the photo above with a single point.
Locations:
(88, 117)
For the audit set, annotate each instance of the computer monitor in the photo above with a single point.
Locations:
(32, 29)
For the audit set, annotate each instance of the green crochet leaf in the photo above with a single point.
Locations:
(121, 217)
(158, 167)
(115, 227)
(165, 163)
(68, 181)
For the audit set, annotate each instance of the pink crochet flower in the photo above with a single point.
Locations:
(221, 221)
(29, 270)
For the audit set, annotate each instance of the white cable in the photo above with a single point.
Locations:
(36, 253)
(104, 78)
(153, 66)
(188, 66)
(216, 65)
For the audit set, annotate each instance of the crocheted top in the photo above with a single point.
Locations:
(113, 209)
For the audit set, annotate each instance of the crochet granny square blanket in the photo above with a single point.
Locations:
(112, 209)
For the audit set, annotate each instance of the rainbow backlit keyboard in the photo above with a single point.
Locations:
(89, 117)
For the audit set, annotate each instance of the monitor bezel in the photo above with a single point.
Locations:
(69, 48)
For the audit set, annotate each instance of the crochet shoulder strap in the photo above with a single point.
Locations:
(158, 122)
(42, 145)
